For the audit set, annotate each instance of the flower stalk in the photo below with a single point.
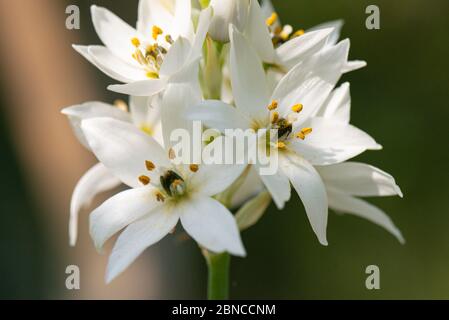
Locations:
(218, 275)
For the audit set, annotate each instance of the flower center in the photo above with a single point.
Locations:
(281, 34)
(170, 183)
(151, 56)
(284, 125)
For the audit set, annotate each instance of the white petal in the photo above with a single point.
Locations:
(175, 103)
(84, 51)
(96, 180)
(353, 65)
(145, 111)
(137, 237)
(227, 12)
(310, 188)
(140, 88)
(114, 67)
(336, 25)
(204, 21)
(359, 179)
(311, 81)
(119, 211)
(176, 57)
(155, 13)
(89, 110)
(182, 23)
(298, 49)
(123, 148)
(252, 186)
(332, 142)
(211, 225)
(279, 187)
(347, 204)
(249, 84)
(257, 32)
(252, 211)
(338, 105)
(212, 179)
(218, 115)
(114, 33)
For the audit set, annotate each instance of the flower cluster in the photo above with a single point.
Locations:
(230, 64)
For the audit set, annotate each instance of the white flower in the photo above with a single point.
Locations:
(98, 179)
(164, 48)
(162, 193)
(304, 140)
(345, 182)
(282, 47)
(227, 12)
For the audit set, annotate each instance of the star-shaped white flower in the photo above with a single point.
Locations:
(282, 47)
(162, 193)
(163, 49)
(98, 179)
(344, 182)
(304, 140)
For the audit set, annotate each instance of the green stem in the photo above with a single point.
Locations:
(218, 275)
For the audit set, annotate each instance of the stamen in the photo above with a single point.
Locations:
(171, 154)
(135, 42)
(272, 19)
(156, 32)
(273, 105)
(297, 108)
(303, 133)
(149, 165)
(286, 32)
(120, 104)
(281, 145)
(274, 117)
(194, 167)
(298, 33)
(169, 39)
(160, 197)
(152, 75)
(147, 129)
(144, 180)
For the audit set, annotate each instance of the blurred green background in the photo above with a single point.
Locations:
(401, 99)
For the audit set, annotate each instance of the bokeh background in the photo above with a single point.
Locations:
(401, 98)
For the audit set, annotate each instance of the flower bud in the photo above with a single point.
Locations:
(227, 12)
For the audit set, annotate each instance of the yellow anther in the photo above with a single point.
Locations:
(274, 117)
(135, 42)
(306, 131)
(169, 39)
(303, 133)
(147, 129)
(273, 105)
(156, 32)
(160, 197)
(281, 145)
(194, 167)
(152, 75)
(120, 104)
(298, 33)
(272, 19)
(144, 180)
(297, 108)
(171, 154)
(149, 165)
